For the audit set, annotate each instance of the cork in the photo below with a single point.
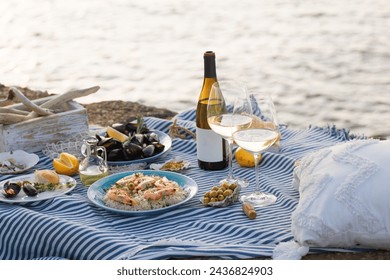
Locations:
(249, 210)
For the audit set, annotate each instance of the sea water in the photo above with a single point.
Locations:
(324, 62)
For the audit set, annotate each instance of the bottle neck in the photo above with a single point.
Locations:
(209, 67)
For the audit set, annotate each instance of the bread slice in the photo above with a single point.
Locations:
(46, 176)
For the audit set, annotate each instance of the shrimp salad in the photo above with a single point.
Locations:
(144, 192)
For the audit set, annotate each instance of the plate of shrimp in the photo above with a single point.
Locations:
(142, 192)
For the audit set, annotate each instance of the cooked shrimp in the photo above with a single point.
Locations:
(121, 196)
(160, 184)
(158, 194)
(144, 183)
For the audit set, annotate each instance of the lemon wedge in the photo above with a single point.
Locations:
(117, 135)
(66, 164)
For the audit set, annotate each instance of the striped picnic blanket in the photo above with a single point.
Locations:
(71, 227)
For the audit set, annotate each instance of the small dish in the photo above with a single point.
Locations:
(175, 165)
(17, 161)
(228, 200)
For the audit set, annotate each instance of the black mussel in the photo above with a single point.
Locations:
(158, 147)
(152, 137)
(148, 151)
(131, 127)
(120, 127)
(108, 142)
(136, 126)
(29, 189)
(138, 139)
(116, 155)
(132, 151)
(11, 189)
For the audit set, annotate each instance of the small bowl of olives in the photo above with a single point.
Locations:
(221, 195)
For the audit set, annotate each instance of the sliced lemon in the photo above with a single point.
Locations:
(245, 158)
(66, 164)
(112, 132)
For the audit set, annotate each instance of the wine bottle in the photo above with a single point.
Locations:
(211, 147)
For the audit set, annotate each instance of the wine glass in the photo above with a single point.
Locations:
(259, 136)
(223, 121)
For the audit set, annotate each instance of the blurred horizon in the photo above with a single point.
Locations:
(324, 62)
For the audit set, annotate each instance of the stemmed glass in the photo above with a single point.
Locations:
(259, 136)
(221, 118)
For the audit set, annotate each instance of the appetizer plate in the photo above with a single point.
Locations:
(97, 191)
(174, 165)
(23, 198)
(19, 161)
(164, 139)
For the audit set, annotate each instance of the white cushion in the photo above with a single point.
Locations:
(344, 196)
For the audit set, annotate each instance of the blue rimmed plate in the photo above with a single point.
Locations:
(97, 191)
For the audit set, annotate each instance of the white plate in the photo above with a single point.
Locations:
(97, 191)
(23, 198)
(20, 157)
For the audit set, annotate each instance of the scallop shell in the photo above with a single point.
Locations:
(175, 165)
(19, 160)
(229, 200)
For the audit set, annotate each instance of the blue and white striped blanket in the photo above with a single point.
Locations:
(71, 227)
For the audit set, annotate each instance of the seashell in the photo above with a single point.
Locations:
(29, 189)
(175, 165)
(11, 189)
(17, 161)
(158, 147)
(229, 200)
(120, 127)
(116, 155)
(132, 151)
(138, 139)
(108, 142)
(152, 137)
(148, 151)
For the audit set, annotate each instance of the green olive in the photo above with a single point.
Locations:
(227, 193)
(221, 197)
(213, 194)
(206, 200)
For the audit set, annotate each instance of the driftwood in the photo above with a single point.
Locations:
(13, 111)
(7, 118)
(11, 115)
(63, 98)
(35, 108)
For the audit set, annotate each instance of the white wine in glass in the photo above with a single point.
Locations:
(259, 136)
(224, 121)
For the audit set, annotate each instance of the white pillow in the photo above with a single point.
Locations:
(344, 196)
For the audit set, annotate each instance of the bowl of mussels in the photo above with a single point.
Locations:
(133, 142)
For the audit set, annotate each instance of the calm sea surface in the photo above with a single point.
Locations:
(324, 62)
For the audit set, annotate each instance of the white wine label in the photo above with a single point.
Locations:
(209, 145)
